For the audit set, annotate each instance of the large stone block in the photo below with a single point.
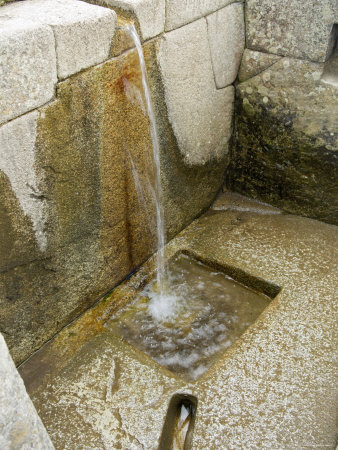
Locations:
(300, 29)
(97, 232)
(83, 33)
(20, 425)
(200, 114)
(150, 14)
(227, 39)
(181, 12)
(286, 150)
(27, 65)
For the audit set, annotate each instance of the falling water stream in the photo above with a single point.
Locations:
(156, 157)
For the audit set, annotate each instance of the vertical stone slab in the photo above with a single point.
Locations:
(226, 39)
(20, 425)
(27, 65)
(199, 113)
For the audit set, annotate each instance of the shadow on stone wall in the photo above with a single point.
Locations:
(286, 140)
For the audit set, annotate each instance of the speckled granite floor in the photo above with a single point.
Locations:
(274, 388)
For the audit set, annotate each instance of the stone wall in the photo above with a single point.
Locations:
(286, 139)
(77, 214)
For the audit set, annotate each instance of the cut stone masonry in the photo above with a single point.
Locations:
(65, 159)
(286, 138)
(17, 161)
(28, 65)
(42, 38)
(70, 218)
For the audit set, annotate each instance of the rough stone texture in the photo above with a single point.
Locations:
(201, 115)
(254, 63)
(274, 388)
(287, 140)
(83, 33)
(20, 425)
(27, 65)
(181, 12)
(149, 14)
(226, 40)
(92, 165)
(298, 29)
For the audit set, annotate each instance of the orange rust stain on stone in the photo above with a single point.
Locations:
(131, 73)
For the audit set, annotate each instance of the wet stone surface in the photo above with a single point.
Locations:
(275, 387)
(201, 313)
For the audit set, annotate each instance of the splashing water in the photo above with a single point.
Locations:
(160, 266)
(201, 314)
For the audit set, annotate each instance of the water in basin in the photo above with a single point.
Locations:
(200, 314)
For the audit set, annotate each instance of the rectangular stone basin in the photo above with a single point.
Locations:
(200, 315)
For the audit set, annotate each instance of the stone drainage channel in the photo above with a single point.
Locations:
(109, 380)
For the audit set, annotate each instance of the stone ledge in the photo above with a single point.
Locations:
(83, 32)
(150, 14)
(254, 63)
